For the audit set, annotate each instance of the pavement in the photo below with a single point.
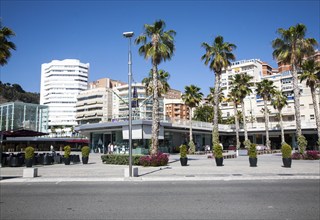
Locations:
(200, 168)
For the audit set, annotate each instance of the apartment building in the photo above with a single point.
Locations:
(254, 105)
(254, 68)
(61, 82)
(141, 106)
(176, 109)
(95, 104)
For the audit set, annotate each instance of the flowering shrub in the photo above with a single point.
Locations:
(312, 155)
(297, 156)
(308, 155)
(159, 159)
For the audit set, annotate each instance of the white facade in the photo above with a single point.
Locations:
(61, 82)
(95, 104)
(254, 104)
(253, 68)
(120, 109)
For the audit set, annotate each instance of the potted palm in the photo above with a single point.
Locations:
(183, 155)
(67, 151)
(253, 155)
(29, 154)
(85, 150)
(286, 155)
(218, 154)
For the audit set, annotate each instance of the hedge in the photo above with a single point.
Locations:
(120, 159)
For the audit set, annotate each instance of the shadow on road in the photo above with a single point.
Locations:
(154, 171)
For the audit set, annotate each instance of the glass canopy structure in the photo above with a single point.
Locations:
(19, 115)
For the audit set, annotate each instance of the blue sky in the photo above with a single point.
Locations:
(91, 31)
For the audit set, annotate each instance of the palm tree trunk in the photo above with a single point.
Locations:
(266, 122)
(281, 127)
(244, 121)
(296, 92)
(316, 110)
(190, 120)
(215, 132)
(155, 115)
(236, 120)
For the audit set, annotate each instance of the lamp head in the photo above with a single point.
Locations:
(128, 34)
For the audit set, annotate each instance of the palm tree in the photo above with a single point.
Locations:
(266, 89)
(241, 84)
(290, 48)
(218, 56)
(203, 113)
(163, 85)
(233, 97)
(191, 97)
(210, 96)
(160, 47)
(310, 68)
(279, 101)
(5, 45)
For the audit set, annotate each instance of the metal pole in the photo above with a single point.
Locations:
(130, 109)
(129, 35)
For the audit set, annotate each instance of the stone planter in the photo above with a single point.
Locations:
(66, 160)
(219, 161)
(287, 162)
(29, 162)
(184, 161)
(253, 162)
(85, 160)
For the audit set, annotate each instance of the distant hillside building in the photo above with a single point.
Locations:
(61, 82)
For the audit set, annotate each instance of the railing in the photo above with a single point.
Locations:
(275, 125)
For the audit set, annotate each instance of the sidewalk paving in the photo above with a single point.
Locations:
(200, 168)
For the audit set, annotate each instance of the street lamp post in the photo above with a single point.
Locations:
(129, 35)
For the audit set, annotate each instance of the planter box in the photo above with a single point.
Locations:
(184, 161)
(219, 162)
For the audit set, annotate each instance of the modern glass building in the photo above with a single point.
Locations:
(19, 115)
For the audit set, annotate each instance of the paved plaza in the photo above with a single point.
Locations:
(199, 168)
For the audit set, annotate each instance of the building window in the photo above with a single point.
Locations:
(311, 117)
(310, 106)
(302, 117)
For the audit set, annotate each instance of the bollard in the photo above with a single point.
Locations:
(134, 172)
(30, 172)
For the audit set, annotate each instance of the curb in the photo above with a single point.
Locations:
(157, 179)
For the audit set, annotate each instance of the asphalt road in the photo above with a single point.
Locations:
(267, 199)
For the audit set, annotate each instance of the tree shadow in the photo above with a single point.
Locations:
(154, 171)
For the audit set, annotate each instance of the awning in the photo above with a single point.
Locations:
(80, 141)
(22, 133)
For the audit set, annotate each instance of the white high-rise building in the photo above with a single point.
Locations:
(61, 82)
(253, 67)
